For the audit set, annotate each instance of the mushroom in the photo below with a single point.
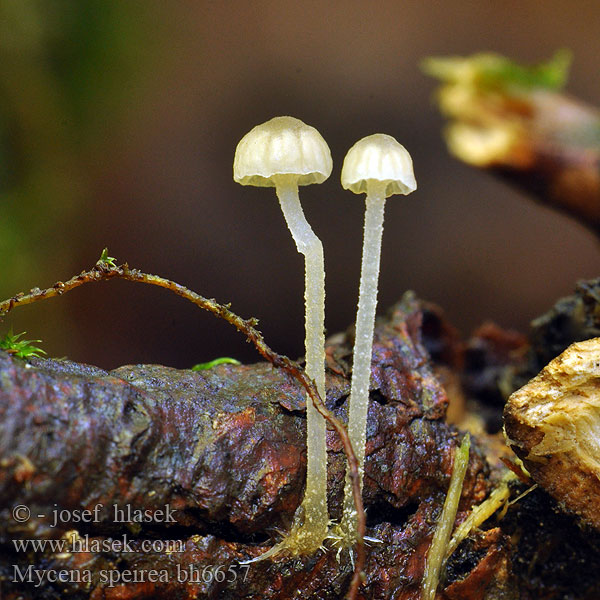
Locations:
(381, 167)
(284, 153)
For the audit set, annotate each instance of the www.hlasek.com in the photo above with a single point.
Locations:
(74, 544)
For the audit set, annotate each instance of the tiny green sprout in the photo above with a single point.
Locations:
(106, 260)
(20, 348)
(223, 360)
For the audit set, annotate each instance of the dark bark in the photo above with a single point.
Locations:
(223, 448)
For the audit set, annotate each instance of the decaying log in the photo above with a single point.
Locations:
(553, 554)
(224, 450)
(550, 420)
(552, 425)
(105, 268)
(221, 453)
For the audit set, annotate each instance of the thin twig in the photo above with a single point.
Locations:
(106, 270)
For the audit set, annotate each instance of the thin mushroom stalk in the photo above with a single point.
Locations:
(363, 344)
(285, 153)
(314, 504)
(379, 166)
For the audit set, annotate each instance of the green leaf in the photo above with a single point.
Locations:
(224, 360)
(107, 260)
(20, 348)
(551, 74)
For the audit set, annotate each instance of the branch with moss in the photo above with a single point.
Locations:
(515, 121)
(106, 268)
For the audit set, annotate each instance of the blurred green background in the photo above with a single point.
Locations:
(118, 123)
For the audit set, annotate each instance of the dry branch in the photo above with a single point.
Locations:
(513, 121)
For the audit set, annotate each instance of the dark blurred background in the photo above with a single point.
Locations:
(118, 124)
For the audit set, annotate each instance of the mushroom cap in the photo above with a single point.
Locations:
(282, 146)
(378, 158)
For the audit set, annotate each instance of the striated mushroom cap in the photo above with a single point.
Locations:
(553, 425)
(378, 158)
(282, 146)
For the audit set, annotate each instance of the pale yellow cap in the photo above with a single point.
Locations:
(378, 158)
(282, 146)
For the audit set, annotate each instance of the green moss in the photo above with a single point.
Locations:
(223, 360)
(20, 348)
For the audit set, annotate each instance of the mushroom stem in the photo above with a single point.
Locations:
(363, 343)
(315, 516)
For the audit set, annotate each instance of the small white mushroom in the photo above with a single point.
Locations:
(380, 167)
(284, 153)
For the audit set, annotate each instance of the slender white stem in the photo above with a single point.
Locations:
(363, 343)
(315, 498)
